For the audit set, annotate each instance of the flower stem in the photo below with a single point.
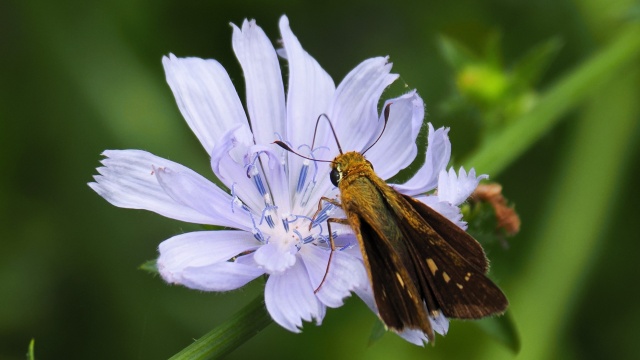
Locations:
(229, 335)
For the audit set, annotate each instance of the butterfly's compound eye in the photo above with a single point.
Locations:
(335, 177)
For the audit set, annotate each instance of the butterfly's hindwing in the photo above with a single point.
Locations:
(460, 240)
(460, 287)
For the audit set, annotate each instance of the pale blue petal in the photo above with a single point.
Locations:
(200, 248)
(457, 188)
(128, 180)
(366, 294)
(354, 109)
(445, 209)
(416, 337)
(436, 159)
(310, 88)
(223, 276)
(276, 257)
(229, 160)
(206, 97)
(346, 273)
(440, 324)
(397, 148)
(309, 94)
(199, 260)
(264, 87)
(198, 193)
(289, 298)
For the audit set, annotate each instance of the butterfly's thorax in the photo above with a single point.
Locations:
(356, 174)
(351, 165)
(361, 190)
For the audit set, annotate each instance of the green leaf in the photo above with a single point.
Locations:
(229, 335)
(377, 331)
(150, 266)
(530, 68)
(456, 54)
(502, 328)
(481, 220)
(31, 354)
(493, 156)
(493, 51)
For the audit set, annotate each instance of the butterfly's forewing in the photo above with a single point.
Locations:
(397, 296)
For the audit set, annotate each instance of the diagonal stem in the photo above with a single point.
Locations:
(234, 332)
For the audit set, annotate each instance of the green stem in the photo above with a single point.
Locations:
(229, 335)
(506, 147)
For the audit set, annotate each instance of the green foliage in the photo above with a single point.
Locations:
(481, 219)
(503, 329)
(150, 266)
(377, 332)
(31, 354)
(496, 95)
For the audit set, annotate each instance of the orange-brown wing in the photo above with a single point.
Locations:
(399, 301)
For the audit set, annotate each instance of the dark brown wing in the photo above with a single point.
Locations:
(399, 300)
(405, 255)
(460, 240)
(460, 287)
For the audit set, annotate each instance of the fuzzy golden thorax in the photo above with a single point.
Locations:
(350, 165)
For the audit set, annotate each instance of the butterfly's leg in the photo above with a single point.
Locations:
(325, 199)
(333, 247)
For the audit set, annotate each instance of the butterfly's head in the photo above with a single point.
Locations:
(347, 164)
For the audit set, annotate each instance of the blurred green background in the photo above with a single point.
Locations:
(80, 77)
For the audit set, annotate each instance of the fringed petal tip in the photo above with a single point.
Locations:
(440, 325)
(456, 188)
(205, 96)
(128, 179)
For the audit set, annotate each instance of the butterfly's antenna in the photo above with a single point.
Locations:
(332, 130)
(386, 119)
(288, 148)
